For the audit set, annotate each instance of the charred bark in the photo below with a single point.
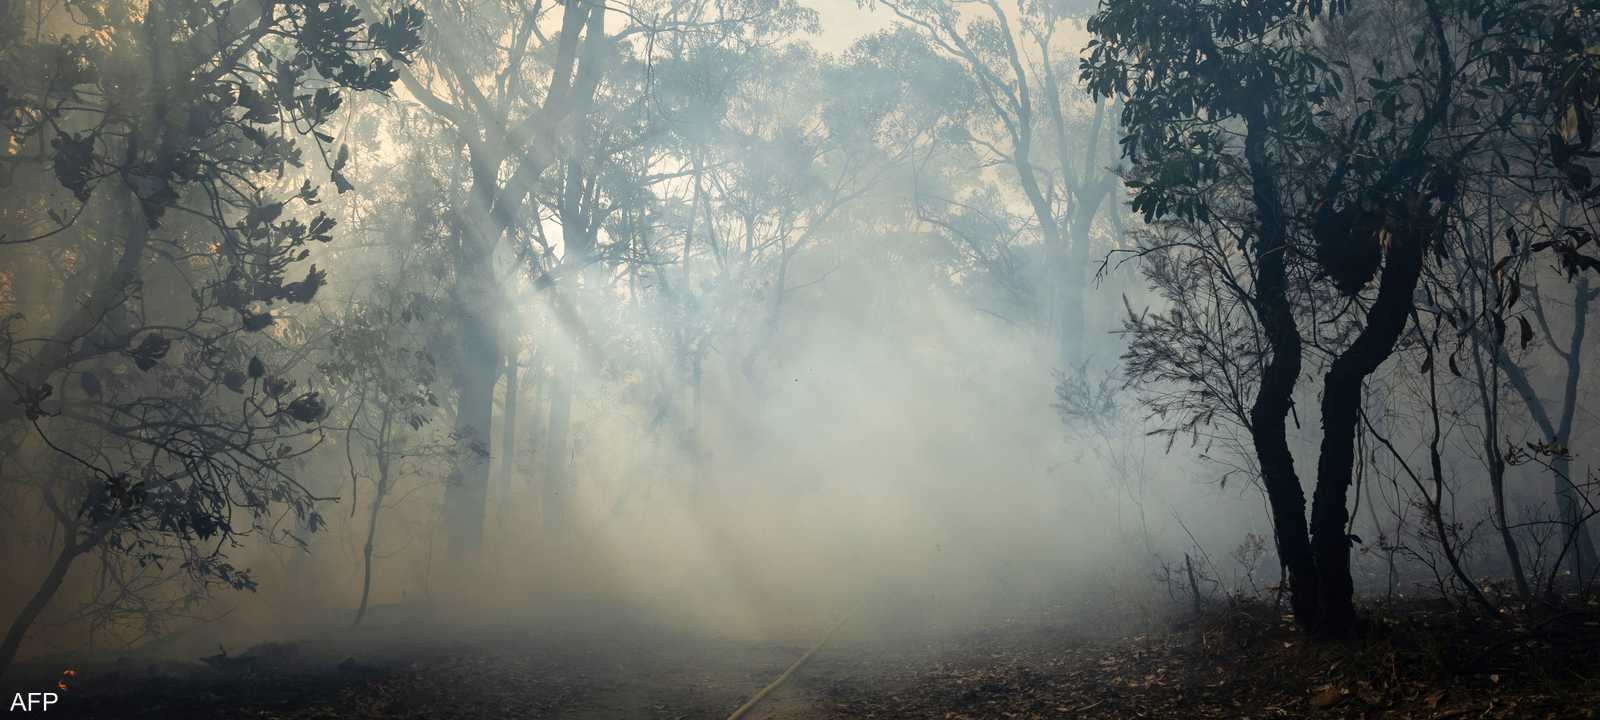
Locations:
(1270, 411)
(1342, 394)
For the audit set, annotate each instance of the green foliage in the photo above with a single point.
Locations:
(1187, 72)
(154, 159)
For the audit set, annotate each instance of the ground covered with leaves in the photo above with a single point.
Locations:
(1416, 660)
(1247, 661)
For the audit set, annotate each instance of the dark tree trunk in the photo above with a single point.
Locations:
(1436, 500)
(372, 520)
(1270, 411)
(1342, 393)
(36, 604)
(1488, 382)
(1582, 561)
(366, 561)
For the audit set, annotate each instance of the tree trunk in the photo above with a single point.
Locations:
(478, 309)
(36, 604)
(101, 313)
(372, 521)
(1436, 502)
(1502, 525)
(508, 420)
(533, 433)
(1489, 400)
(1270, 411)
(1582, 561)
(1581, 557)
(581, 235)
(1342, 393)
(1054, 294)
(1487, 292)
(555, 449)
(466, 496)
(1580, 553)
(1077, 277)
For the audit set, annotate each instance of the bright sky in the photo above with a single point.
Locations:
(843, 21)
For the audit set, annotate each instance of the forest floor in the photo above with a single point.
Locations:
(1418, 660)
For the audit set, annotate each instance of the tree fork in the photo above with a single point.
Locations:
(1341, 412)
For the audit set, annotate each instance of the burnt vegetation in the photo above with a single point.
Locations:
(1181, 358)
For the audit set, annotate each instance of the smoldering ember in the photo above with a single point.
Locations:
(799, 359)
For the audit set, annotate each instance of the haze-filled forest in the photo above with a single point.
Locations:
(799, 358)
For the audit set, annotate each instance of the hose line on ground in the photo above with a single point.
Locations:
(785, 676)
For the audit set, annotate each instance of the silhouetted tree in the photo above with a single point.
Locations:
(138, 401)
(1350, 157)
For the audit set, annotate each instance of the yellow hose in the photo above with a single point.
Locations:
(785, 676)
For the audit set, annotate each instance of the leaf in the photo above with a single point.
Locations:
(256, 322)
(1527, 331)
(1579, 175)
(1427, 364)
(150, 351)
(321, 228)
(307, 408)
(302, 291)
(1456, 371)
(257, 368)
(73, 162)
(263, 214)
(90, 383)
(1559, 152)
(257, 108)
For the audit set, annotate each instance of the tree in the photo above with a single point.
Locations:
(511, 137)
(144, 411)
(538, 148)
(1579, 547)
(1033, 125)
(377, 360)
(1350, 157)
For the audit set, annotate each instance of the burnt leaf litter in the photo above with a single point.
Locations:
(1416, 659)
